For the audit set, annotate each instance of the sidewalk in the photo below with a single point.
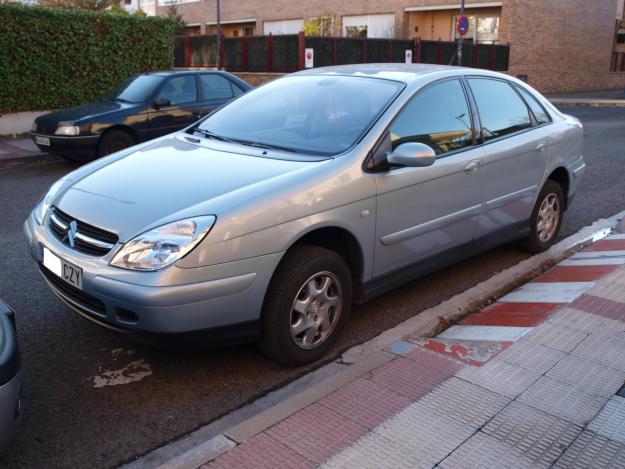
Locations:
(19, 151)
(533, 380)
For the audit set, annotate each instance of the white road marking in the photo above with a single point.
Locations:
(597, 261)
(134, 371)
(548, 292)
(487, 333)
(598, 254)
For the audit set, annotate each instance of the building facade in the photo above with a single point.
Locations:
(558, 45)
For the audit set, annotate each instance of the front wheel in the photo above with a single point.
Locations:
(546, 218)
(114, 140)
(306, 307)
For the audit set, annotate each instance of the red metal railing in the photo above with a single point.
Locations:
(285, 53)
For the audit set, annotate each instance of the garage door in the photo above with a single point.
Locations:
(283, 27)
(369, 26)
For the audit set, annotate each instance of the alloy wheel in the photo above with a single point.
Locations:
(316, 310)
(548, 218)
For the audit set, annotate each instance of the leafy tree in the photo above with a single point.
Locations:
(180, 27)
(320, 26)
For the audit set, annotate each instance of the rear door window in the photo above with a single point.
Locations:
(501, 109)
(437, 116)
(215, 86)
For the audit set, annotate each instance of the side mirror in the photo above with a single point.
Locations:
(159, 103)
(413, 154)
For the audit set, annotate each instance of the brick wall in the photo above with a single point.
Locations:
(256, 79)
(563, 45)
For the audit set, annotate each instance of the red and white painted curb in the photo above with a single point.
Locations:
(484, 334)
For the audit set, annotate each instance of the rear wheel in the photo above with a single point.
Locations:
(306, 307)
(114, 140)
(546, 218)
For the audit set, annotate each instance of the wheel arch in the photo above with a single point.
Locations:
(561, 176)
(123, 128)
(339, 240)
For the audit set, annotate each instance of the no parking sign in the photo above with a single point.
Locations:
(463, 25)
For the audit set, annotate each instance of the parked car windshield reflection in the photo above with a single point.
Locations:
(321, 115)
(134, 90)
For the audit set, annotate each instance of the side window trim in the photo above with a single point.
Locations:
(503, 137)
(476, 120)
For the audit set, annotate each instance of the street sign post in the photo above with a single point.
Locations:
(465, 28)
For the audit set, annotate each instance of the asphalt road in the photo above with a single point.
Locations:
(71, 420)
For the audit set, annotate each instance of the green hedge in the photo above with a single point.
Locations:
(52, 58)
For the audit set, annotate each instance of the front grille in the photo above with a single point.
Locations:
(86, 303)
(46, 128)
(85, 238)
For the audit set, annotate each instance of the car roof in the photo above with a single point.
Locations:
(166, 73)
(395, 71)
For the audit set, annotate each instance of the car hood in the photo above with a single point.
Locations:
(83, 112)
(169, 180)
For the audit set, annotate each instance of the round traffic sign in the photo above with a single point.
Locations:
(463, 25)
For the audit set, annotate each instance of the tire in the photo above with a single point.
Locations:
(542, 237)
(114, 140)
(305, 269)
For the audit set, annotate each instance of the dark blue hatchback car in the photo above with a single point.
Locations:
(143, 107)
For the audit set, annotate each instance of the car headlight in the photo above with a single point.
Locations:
(44, 205)
(67, 130)
(33, 128)
(162, 246)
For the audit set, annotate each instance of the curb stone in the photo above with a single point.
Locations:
(359, 358)
(32, 159)
(599, 103)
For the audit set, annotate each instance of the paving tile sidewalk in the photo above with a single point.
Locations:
(530, 381)
(19, 151)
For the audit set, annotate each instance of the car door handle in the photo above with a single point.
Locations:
(472, 166)
(540, 148)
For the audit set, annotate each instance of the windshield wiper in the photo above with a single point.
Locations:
(209, 134)
(266, 146)
(249, 143)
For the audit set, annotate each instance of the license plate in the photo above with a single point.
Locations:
(42, 141)
(69, 272)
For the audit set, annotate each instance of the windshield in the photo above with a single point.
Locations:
(322, 115)
(136, 89)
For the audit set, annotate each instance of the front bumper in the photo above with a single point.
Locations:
(74, 146)
(171, 301)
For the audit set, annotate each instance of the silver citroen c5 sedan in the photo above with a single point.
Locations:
(268, 218)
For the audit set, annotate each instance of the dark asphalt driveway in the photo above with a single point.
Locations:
(71, 420)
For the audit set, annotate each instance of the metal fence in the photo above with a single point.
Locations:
(285, 53)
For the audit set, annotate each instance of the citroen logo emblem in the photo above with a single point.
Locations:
(72, 232)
